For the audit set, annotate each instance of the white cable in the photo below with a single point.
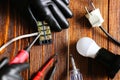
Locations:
(17, 38)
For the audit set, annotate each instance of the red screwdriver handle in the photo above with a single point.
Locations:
(21, 57)
(38, 76)
(40, 73)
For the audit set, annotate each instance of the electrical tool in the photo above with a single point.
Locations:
(51, 72)
(41, 72)
(46, 35)
(43, 29)
(23, 55)
(75, 74)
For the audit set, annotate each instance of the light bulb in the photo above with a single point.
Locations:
(87, 47)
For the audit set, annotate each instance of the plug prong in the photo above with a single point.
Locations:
(87, 10)
(93, 5)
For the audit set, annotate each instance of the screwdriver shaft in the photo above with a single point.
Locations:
(28, 49)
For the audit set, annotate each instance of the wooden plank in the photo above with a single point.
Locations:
(77, 30)
(4, 26)
(40, 54)
(61, 47)
(19, 27)
(80, 28)
(114, 27)
(98, 71)
(64, 42)
(10, 27)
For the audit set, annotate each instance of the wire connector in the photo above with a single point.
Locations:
(95, 18)
(44, 30)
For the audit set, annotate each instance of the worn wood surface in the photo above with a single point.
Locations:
(64, 42)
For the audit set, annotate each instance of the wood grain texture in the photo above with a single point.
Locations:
(64, 42)
(114, 28)
(79, 28)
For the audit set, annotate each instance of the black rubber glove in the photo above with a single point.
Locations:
(54, 12)
(11, 72)
(66, 1)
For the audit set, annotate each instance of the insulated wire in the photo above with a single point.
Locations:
(109, 36)
(29, 9)
(17, 38)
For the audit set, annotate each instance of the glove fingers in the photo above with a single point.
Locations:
(3, 62)
(52, 21)
(66, 1)
(59, 16)
(20, 67)
(65, 10)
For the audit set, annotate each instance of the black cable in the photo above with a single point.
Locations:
(109, 36)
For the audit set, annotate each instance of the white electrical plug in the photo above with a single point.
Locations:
(95, 18)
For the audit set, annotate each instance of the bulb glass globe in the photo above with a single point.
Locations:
(87, 47)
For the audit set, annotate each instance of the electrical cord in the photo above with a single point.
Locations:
(29, 9)
(109, 36)
(17, 38)
(95, 18)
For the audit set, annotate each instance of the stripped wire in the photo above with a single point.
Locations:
(17, 38)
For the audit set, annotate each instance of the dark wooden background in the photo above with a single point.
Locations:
(64, 42)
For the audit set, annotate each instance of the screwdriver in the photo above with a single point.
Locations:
(75, 74)
(53, 69)
(23, 55)
(40, 73)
